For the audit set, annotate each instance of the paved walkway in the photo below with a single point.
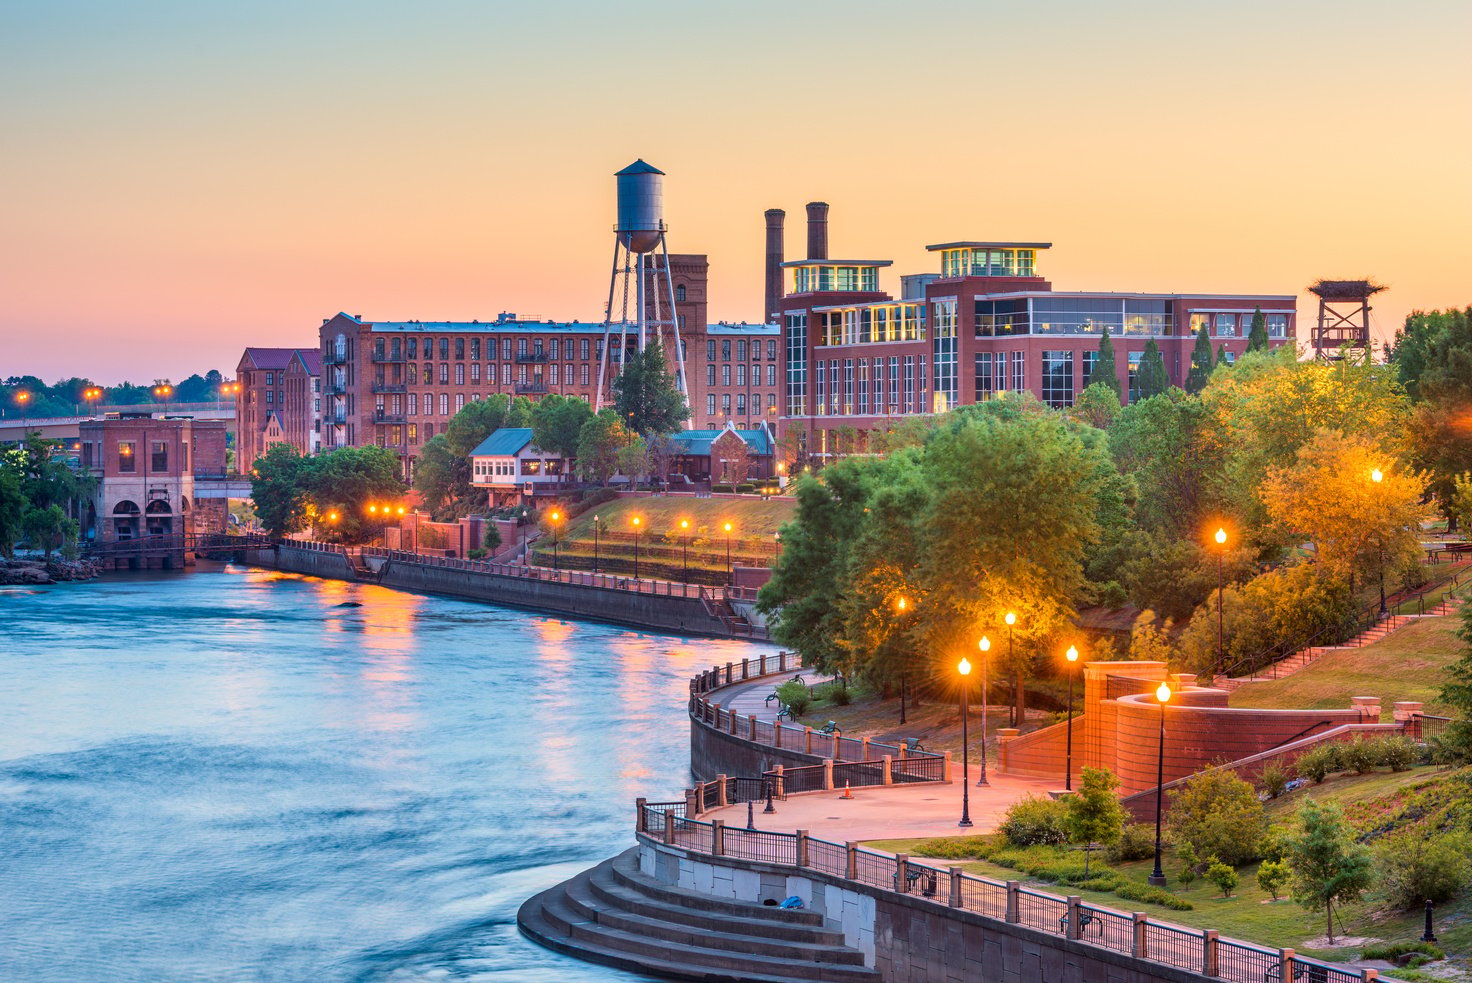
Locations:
(890, 811)
(751, 698)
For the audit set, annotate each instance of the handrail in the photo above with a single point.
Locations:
(667, 826)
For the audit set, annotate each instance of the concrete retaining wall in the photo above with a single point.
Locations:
(713, 753)
(312, 563)
(910, 940)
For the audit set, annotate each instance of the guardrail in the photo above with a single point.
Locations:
(668, 825)
(658, 588)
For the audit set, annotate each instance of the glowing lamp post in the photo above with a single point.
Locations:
(685, 547)
(1221, 648)
(1011, 619)
(552, 520)
(730, 570)
(986, 646)
(1072, 657)
(902, 605)
(162, 392)
(1376, 476)
(24, 399)
(597, 527)
(1157, 876)
(965, 670)
(636, 522)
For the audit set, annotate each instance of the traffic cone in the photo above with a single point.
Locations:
(847, 792)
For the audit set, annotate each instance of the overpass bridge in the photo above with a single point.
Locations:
(12, 427)
(170, 551)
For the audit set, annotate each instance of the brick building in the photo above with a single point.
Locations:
(146, 467)
(398, 383)
(987, 322)
(301, 415)
(280, 382)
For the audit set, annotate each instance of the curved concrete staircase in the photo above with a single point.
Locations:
(616, 916)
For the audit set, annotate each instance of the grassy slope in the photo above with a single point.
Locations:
(1409, 664)
(753, 518)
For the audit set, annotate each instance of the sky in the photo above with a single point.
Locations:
(182, 180)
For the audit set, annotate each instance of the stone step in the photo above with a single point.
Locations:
(625, 870)
(585, 937)
(615, 894)
(730, 937)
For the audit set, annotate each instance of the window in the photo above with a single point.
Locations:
(127, 459)
(740, 373)
(459, 373)
(505, 349)
(848, 385)
(413, 404)
(475, 372)
(1277, 325)
(710, 374)
(822, 393)
(271, 376)
(909, 378)
(583, 374)
(985, 384)
(863, 385)
(444, 373)
(1225, 326)
(413, 375)
(413, 433)
(725, 349)
(552, 374)
(1058, 378)
(680, 293)
(725, 375)
(943, 342)
(1091, 359)
(1134, 378)
(771, 349)
(413, 348)
(537, 347)
(771, 374)
(460, 348)
(1019, 376)
(710, 405)
(444, 404)
(567, 369)
(506, 374)
(741, 404)
(583, 348)
(797, 363)
(741, 350)
(445, 348)
(269, 394)
(710, 350)
(475, 349)
(459, 402)
(771, 402)
(554, 350)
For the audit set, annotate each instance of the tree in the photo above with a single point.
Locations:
(1415, 868)
(1171, 446)
(1328, 867)
(1219, 814)
(1105, 372)
(1329, 495)
(1150, 639)
(599, 442)
(1222, 875)
(278, 486)
(1151, 379)
(557, 424)
(1273, 876)
(1095, 816)
(347, 480)
(645, 396)
(438, 472)
(1433, 359)
(1097, 405)
(633, 459)
(1257, 337)
(13, 505)
(492, 540)
(1201, 363)
(1455, 743)
(48, 529)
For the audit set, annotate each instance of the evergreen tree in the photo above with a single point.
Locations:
(1105, 371)
(1257, 338)
(1455, 745)
(1328, 867)
(1201, 363)
(1152, 379)
(1221, 355)
(645, 395)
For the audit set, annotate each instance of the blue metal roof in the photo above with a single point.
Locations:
(699, 441)
(743, 328)
(506, 442)
(639, 166)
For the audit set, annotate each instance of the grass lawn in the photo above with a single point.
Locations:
(752, 518)
(1408, 664)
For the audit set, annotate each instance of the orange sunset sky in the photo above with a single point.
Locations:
(184, 179)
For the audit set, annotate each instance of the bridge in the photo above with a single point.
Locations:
(12, 428)
(171, 550)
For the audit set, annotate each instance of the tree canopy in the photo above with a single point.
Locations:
(645, 396)
(291, 491)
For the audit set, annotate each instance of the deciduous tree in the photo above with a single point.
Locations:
(599, 442)
(1095, 816)
(1328, 867)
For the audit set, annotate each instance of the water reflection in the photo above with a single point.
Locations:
(235, 775)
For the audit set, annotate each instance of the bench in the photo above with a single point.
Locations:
(1300, 972)
(913, 744)
(927, 889)
(830, 729)
(1085, 919)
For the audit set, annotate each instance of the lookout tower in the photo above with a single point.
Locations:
(1344, 316)
(638, 236)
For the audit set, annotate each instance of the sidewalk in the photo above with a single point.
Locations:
(890, 811)
(751, 698)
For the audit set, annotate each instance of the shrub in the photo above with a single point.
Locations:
(1393, 951)
(1318, 763)
(1224, 877)
(1135, 891)
(1273, 876)
(1415, 868)
(1035, 820)
(1399, 753)
(1186, 854)
(1276, 843)
(1274, 779)
(745, 488)
(837, 694)
(475, 554)
(955, 848)
(1136, 842)
(796, 696)
(492, 540)
(1361, 756)
(1219, 815)
(721, 488)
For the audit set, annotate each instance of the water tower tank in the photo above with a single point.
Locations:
(640, 206)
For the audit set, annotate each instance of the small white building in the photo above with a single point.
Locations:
(508, 465)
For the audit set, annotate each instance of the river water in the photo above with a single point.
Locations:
(237, 775)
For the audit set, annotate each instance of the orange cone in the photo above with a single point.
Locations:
(847, 793)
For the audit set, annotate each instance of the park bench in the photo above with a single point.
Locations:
(912, 744)
(928, 876)
(1085, 919)
(830, 729)
(1300, 972)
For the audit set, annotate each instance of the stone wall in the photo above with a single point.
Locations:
(714, 752)
(909, 939)
(313, 563)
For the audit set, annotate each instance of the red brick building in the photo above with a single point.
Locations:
(988, 322)
(301, 415)
(146, 468)
(284, 383)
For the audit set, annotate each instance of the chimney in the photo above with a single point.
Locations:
(775, 219)
(817, 230)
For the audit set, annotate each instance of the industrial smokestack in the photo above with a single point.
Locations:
(817, 230)
(775, 219)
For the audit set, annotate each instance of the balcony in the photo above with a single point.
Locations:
(337, 389)
(531, 388)
(334, 357)
(337, 417)
(390, 387)
(389, 356)
(387, 416)
(530, 358)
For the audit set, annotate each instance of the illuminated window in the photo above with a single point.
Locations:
(1058, 378)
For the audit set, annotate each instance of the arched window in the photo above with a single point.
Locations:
(159, 507)
(680, 294)
(125, 508)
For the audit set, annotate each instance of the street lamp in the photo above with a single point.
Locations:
(597, 526)
(162, 392)
(777, 538)
(24, 399)
(986, 646)
(552, 520)
(730, 571)
(1157, 876)
(1011, 619)
(91, 395)
(901, 605)
(1376, 476)
(965, 669)
(685, 547)
(636, 521)
(1221, 648)
(1072, 656)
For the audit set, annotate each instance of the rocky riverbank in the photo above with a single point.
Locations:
(37, 570)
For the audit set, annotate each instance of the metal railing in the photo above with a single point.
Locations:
(1132, 934)
(658, 588)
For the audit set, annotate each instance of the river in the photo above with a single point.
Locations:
(237, 775)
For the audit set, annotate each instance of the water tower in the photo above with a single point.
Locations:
(637, 237)
(1343, 325)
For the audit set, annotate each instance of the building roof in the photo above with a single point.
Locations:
(726, 327)
(505, 442)
(989, 245)
(838, 262)
(311, 360)
(699, 441)
(268, 358)
(486, 327)
(638, 167)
